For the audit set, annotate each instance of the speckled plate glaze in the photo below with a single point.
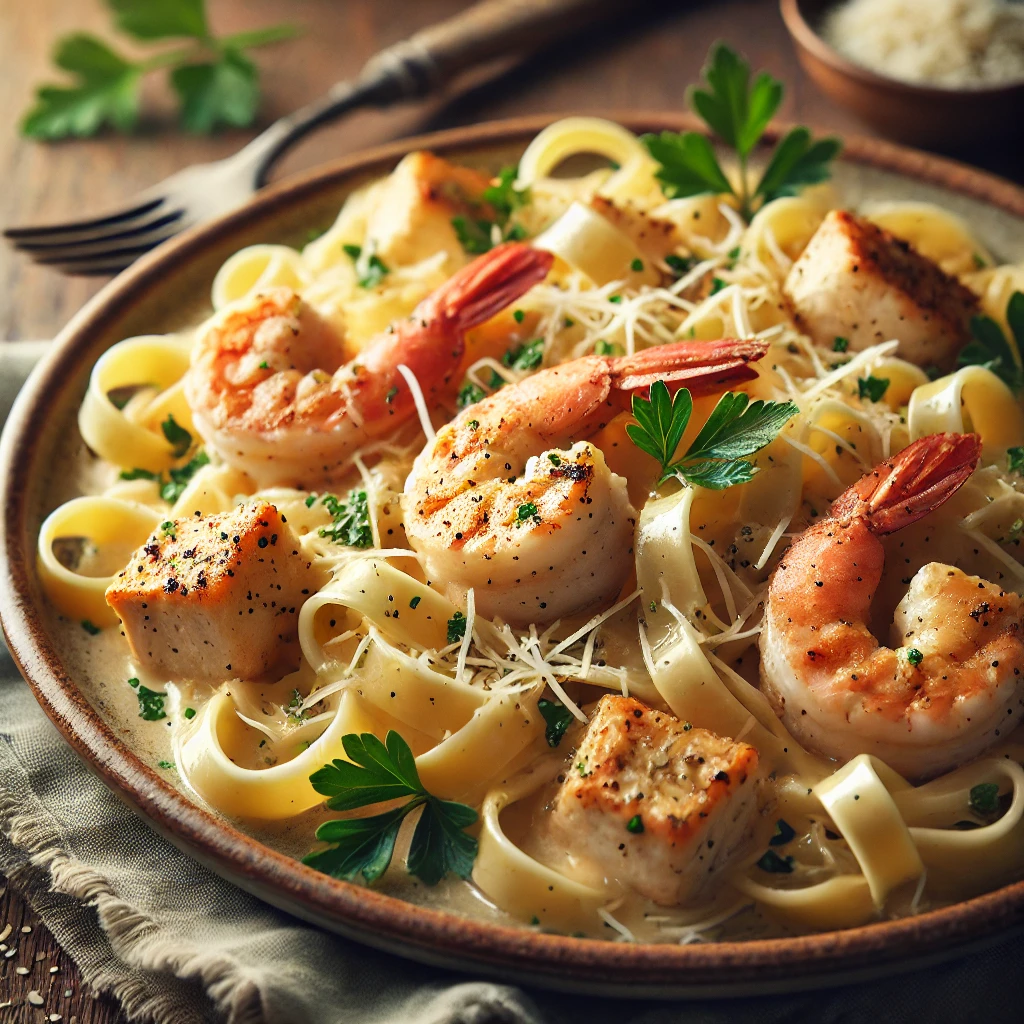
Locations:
(168, 289)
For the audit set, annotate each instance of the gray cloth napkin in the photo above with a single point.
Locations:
(176, 944)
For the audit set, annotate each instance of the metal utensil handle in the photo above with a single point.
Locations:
(418, 65)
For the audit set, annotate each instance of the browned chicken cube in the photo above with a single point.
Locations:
(216, 597)
(659, 805)
(857, 282)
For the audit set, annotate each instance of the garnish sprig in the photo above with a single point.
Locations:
(989, 346)
(212, 76)
(378, 773)
(716, 459)
(738, 112)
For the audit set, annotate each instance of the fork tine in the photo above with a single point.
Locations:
(99, 261)
(39, 232)
(74, 244)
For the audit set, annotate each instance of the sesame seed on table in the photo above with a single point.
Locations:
(644, 64)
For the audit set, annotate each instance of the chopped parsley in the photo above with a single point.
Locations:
(469, 394)
(872, 388)
(377, 772)
(635, 825)
(984, 798)
(526, 512)
(168, 529)
(189, 713)
(390, 396)
(774, 864)
(180, 476)
(914, 656)
(840, 344)
(636, 266)
(456, 628)
(1015, 460)
(717, 284)
(557, 718)
(177, 436)
(90, 628)
(680, 265)
(415, 602)
(784, 833)
(294, 709)
(138, 474)
(527, 356)
(350, 520)
(518, 315)
(606, 348)
(477, 235)
(166, 764)
(370, 268)
(151, 703)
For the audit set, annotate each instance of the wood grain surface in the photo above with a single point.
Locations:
(642, 61)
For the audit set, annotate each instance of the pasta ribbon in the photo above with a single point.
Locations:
(864, 811)
(573, 135)
(136, 441)
(255, 268)
(780, 231)
(590, 243)
(973, 398)
(105, 522)
(936, 233)
(521, 885)
(841, 902)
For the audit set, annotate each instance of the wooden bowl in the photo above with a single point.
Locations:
(940, 118)
(168, 289)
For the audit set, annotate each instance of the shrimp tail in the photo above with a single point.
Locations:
(911, 484)
(486, 286)
(705, 367)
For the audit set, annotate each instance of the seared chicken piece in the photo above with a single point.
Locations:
(654, 237)
(856, 281)
(412, 218)
(659, 805)
(217, 597)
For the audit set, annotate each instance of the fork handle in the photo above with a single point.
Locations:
(420, 64)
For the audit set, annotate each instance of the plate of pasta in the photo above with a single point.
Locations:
(559, 547)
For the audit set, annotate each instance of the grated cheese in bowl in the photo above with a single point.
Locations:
(955, 44)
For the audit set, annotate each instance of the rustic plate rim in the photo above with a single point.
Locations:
(374, 918)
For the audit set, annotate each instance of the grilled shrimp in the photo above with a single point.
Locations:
(511, 499)
(269, 391)
(952, 680)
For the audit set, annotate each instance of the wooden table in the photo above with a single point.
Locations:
(646, 64)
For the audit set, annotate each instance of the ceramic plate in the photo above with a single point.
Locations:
(170, 289)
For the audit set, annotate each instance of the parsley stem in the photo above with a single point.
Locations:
(258, 37)
(744, 196)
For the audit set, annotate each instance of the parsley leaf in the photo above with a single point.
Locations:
(688, 166)
(557, 718)
(989, 346)
(215, 82)
(872, 388)
(161, 19)
(377, 772)
(137, 474)
(660, 422)
(735, 110)
(105, 92)
(738, 111)
(177, 436)
(351, 520)
(503, 196)
(735, 429)
(225, 91)
(1015, 460)
(797, 162)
